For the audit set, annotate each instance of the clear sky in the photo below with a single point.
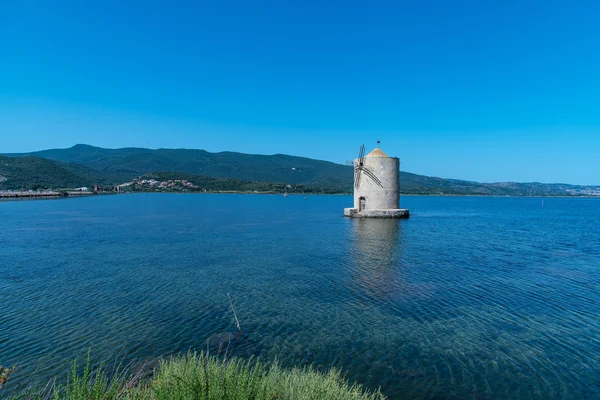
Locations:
(480, 90)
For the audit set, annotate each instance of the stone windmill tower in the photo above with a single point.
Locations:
(376, 186)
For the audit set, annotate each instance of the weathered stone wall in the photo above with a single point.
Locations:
(377, 198)
(389, 213)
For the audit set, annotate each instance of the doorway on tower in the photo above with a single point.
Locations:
(362, 204)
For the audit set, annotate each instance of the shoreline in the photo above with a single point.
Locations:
(51, 194)
(64, 194)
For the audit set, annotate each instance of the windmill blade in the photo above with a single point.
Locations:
(374, 179)
(358, 166)
(359, 169)
(369, 171)
(357, 175)
(372, 175)
(361, 155)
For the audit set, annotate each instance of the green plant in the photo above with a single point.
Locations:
(200, 377)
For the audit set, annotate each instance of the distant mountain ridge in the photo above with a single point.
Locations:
(131, 162)
(112, 166)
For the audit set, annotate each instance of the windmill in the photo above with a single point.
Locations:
(360, 168)
(379, 195)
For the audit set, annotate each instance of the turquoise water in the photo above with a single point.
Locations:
(474, 298)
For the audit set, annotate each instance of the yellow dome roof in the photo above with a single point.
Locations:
(377, 153)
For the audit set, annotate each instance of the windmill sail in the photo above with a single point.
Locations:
(372, 175)
(360, 168)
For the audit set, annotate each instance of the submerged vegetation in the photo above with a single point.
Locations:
(5, 373)
(198, 376)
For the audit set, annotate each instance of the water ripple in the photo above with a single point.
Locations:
(471, 298)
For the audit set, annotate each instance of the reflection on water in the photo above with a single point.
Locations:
(376, 256)
(377, 266)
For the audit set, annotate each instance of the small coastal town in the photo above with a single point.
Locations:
(591, 191)
(169, 185)
(137, 184)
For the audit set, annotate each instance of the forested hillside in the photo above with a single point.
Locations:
(85, 165)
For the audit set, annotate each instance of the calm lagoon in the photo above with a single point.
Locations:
(472, 297)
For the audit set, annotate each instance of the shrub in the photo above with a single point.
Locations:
(199, 377)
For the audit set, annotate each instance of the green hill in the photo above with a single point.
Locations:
(130, 162)
(84, 165)
(127, 163)
(38, 173)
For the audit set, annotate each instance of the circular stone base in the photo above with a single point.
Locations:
(392, 213)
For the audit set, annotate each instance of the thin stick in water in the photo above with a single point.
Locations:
(234, 314)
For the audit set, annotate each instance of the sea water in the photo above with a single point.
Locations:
(472, 297)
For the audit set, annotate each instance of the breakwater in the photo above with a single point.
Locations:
(42, 194)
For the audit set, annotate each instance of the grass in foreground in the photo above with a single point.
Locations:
(196, 376)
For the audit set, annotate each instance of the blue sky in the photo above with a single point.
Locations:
(479, 90)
